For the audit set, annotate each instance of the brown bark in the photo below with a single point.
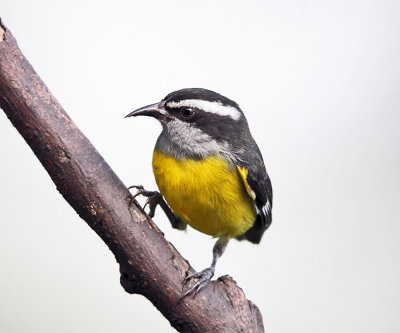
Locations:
(149, 265)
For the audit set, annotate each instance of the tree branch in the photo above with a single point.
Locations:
(149, 265)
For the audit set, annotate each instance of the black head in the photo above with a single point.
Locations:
(204, 109)
(202, 100)
(199, 94)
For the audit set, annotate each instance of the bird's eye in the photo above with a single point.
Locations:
(187, 112)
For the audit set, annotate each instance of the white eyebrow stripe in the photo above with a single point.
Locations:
(213, 107)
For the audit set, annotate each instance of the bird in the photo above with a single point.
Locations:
(209, 171)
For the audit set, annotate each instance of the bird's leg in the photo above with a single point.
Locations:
(154, 198)
(204, 276)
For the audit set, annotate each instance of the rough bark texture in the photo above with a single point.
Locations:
(149, 265)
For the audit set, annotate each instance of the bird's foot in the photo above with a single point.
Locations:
(202, 277)
(153, 198)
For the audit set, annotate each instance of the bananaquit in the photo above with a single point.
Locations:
(210, 171)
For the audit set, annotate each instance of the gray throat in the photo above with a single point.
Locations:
(182, 140)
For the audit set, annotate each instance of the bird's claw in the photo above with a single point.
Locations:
(153, 198)
(202, 277)
(152, 201)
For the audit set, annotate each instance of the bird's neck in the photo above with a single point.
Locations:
(182, 140)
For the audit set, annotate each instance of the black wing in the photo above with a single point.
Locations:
(260, 184)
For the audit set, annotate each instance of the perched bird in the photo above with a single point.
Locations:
(210, 171)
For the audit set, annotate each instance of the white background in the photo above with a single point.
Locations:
(319, 82)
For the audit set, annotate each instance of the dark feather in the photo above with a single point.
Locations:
(260, 183)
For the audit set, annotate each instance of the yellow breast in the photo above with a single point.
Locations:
(207, 194)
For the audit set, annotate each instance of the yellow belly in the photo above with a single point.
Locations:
(206, 194)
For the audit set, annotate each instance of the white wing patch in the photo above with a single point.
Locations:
(207, 106)
(265, 210)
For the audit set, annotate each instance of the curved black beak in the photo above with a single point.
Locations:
(156, 110)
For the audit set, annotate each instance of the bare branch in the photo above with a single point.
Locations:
(149, 265)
